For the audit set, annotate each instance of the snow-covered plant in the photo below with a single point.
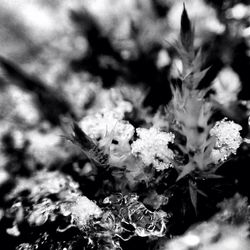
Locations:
(201, 145)
(152, 147)
(228, 139)
(189, 142)
(189, 109)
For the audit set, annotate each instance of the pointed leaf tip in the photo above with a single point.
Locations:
(186, 33)
(185, 21)
(81, 138)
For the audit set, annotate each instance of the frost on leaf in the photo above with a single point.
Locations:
(100, 124)
(81, 210)
(52, 194)
(152, 147)
(228, 139)
(110, 132)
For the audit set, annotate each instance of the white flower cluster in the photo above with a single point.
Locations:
(228, 139)
(152, 147)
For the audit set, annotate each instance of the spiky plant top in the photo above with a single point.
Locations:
(186, 138)
(189, 143)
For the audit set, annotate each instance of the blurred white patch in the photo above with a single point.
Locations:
(4, 176)
(176, 68)
(163, 59)
(246, 32)
(191, 240)
(112, 15)
(37, 16)
(238, 12)
(227, 85)
(34, 16)
(13, 231)
(18, 105)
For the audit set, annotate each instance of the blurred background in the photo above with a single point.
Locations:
(73, 47)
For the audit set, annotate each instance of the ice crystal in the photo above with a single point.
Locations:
(132, 216)
(41, 212)
(82, 210)
(152, 147)
(228, 139)
(44, 183)
(67, 201)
